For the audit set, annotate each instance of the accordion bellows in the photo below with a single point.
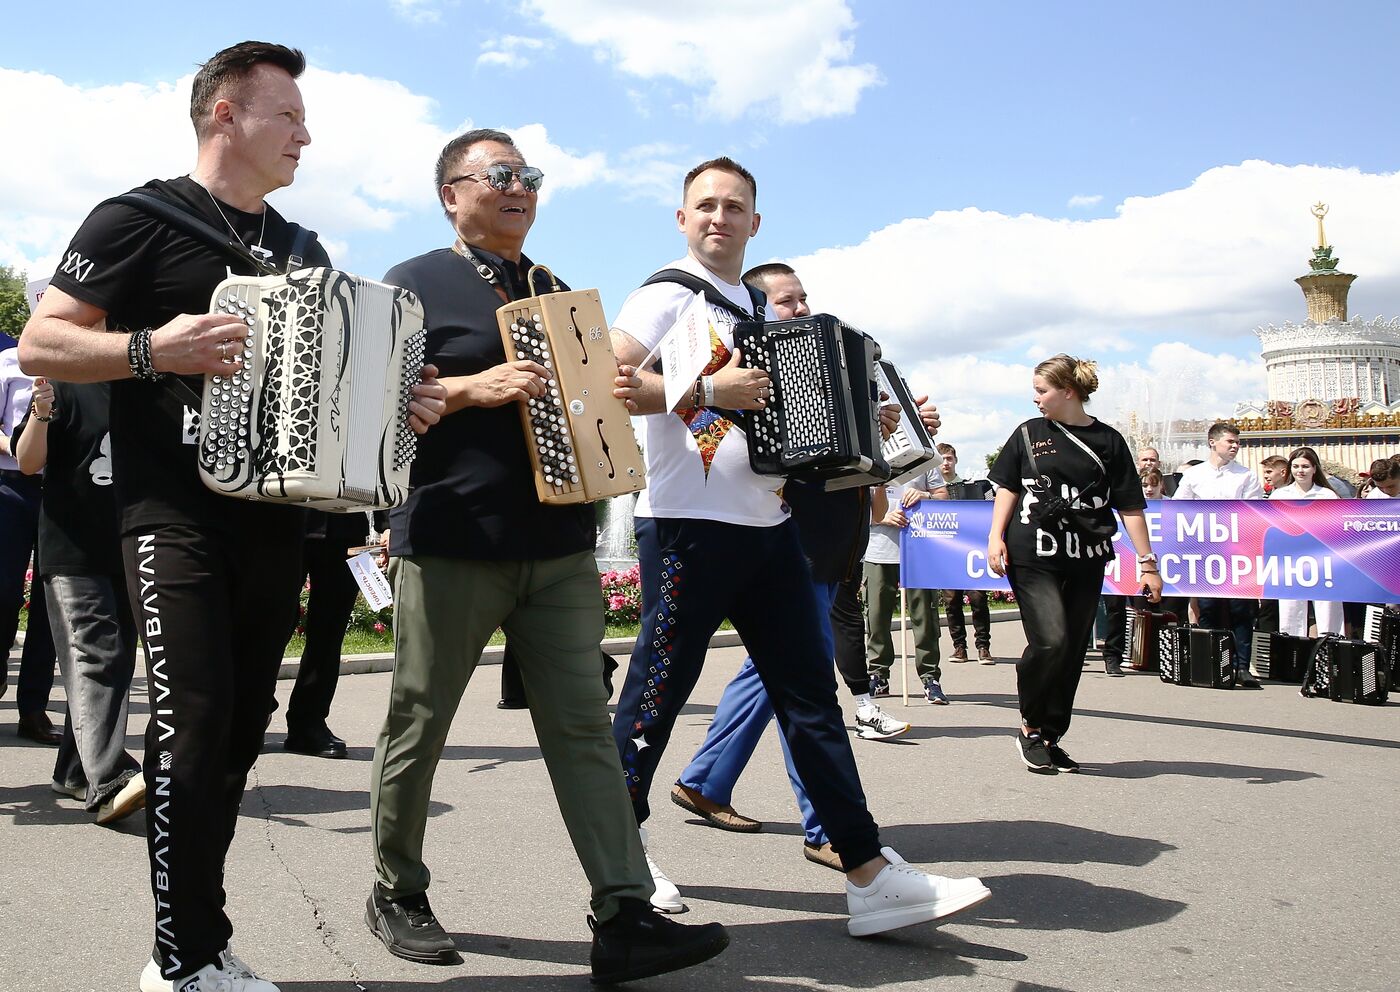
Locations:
(318, 414)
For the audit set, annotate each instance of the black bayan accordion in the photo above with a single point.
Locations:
(822, 421)
(1197, 656)
(1280, 657)
(1383, 629)
(1348, 672)
(579, 435)
(318, 413)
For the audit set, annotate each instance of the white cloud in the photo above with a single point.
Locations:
(510, 52)
(417, 11)
(1080, 200)
(369, 165)
(791, 58)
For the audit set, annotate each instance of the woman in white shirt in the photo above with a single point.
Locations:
(1309, 482)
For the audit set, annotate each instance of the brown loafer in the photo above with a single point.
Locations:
(714, 814)
(822, 854)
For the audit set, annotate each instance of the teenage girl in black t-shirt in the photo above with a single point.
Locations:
(1061, 476)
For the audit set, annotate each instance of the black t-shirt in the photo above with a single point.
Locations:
(473, 491)
(1074, 477)
(78, 514)
(143, 273)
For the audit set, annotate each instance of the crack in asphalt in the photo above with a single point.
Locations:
(323, 926)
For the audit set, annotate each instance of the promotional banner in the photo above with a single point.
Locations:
(1342, 550)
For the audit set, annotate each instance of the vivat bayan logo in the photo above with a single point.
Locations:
(933, 523)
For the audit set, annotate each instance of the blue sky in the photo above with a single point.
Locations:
(976, 185)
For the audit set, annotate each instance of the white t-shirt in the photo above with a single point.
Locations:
(1231, 481)
(697, 469)
(1292, 491)
(1376, 494)
(883, 548)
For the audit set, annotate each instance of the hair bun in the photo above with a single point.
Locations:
(1086, 373)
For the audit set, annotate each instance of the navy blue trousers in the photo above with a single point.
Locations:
(694, 574)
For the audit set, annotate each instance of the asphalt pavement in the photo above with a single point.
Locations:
(1217, 840)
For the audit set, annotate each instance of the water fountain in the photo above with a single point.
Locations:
(617, 545)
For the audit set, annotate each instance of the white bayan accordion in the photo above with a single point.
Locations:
(318, 414)
(909, 449)
(579, 435)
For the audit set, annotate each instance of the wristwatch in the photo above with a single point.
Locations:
(1148, 559)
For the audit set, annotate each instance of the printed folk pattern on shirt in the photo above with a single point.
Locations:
(707, 426)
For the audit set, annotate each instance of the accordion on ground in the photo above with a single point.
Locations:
(579, 435)
(1197, 656)
(318, 414)
(823, 420)
(909, 448)
(1143, 638)
(1383, 630)
(1280, 657)
(1348, 672)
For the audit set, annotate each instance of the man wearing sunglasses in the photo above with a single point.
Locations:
(477, 550)
(715, 540)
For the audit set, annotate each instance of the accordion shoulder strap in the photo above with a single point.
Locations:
(704, 287)
(195, 227)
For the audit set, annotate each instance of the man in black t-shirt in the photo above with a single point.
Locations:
(79, 555)
(477, 550)
(213, 581)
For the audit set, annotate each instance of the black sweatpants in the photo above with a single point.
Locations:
(1057, 614)
(694, 574)
(213, 610)
(328, 608)
(848, 632)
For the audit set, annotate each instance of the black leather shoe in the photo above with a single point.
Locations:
(512, 703)
(639, 943)
(38, 728)
(319, 743)
(409, 929)
(1246, 682)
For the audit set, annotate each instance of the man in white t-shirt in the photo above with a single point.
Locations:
(715, 541)
(1221, 477)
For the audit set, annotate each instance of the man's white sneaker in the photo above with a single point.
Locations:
(221, 978)
(901, 896)
(666, 898)
(125, 801)
(152, 982)
(874, 724)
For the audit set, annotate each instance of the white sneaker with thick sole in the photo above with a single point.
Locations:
(78, 792)
(125, 801)
(232, 964)
(874, 724)
(666, 898)
(901, 896)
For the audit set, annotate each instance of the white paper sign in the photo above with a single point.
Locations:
(685, 350)
(371, 581)
(33, 291)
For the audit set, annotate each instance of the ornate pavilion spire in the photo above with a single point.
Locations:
(1324, 288)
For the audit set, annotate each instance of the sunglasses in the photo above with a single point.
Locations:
(499, 177)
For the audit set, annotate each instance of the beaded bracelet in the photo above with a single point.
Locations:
(138, 356)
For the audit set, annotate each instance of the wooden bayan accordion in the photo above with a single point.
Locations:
(579, 435)
(909, 449)
(1144, 638)
(822, 422)
(1197, 656)
(318, 414)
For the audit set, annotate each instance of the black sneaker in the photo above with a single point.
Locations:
(1062, 761)
(409, 929)
(1033, 753)
(639, 943)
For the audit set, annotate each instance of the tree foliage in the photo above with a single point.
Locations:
(14, 308)
(992, 456)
